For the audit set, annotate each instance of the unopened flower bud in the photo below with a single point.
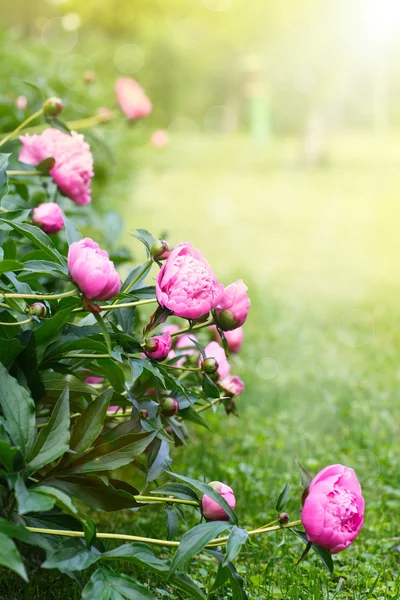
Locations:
(226, 320)
(52, 107)
(160, 250)
(158, 347)
(89, 77)
(143, 414)
(169, 406)
(210, 366)
(213, 511)
(283, 518)
(38, 309)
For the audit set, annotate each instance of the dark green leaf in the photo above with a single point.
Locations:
(209, 491)
(283, 498)
(50, 328)
(172, 522)
(23, 535)
(46, 165)
(104, 585)
(39, 238)
(189, 414)
(237, 538)
(30, 501)
(158, 459)
(209, 387)
(3, 175)
(71, 231)
(145, 237)
(195, 540)
(10, 558)
(179, 490)
(19, 411)
(57, 123)
(71, 555)
(305, 476)
(89, 424)
(53, 439)
(7, 454)
(10, 265)
(323, 554)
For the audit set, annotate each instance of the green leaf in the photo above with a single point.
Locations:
(238, 591)
(7, 454)
(113, 372)
(3, 175)
(305, 476)
(104, 330)
(50, 329)
(53, 439)
(46, 165)
(283, 498)
(57, 123)
(195, 540)
(145, 237)
(323, 554)
(237, 538)
(172, 521)
(64, 502)
(23, 535)
(46, 267)
(209, 387)
(190, 414)
(158, 459)
(89, 424)
(96, 493)
(221, 578)
(39, 238)
(30, 501)
(143, 556)
(71, 555)
(72, 233)
(10, 558)
(19, 411)
(113, 454)
(10, 265)
(179, 490)
(209, 491)
(104, 585)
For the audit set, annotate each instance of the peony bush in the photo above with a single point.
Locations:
(100, 368)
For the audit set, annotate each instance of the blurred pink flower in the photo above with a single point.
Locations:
(93, 380)
(92, 270)
(73, 168)
(186, 284)
(234, 338)
(21, 102)
(214, 350)
(333, 512)
(232, 384)
(132, 98)
(49, 217)
(159, 138)
(104, 113)
(213, 511)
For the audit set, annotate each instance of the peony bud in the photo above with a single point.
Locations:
(38, 309)
(160, 250)
(52, 107)
(210, 366)
(158, 347)
(283, 518)
(49, 217)
(93, 380)
(213, 511)
(89, 77)
(232, 309)
(143, 414)
(21, 102)
(170, 406)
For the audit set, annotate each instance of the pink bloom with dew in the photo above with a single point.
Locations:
(49, 217)
(73, 168)
(333, 512)
(132, 98)
(213, 511)
(92, 270)
(186, 284)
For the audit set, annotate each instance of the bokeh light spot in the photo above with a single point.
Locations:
(56, 38)
(267, 368)
(220, 119)
(129, 58)
(73, 71)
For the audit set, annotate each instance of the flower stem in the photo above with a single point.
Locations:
(26, 173)
(167, 500)
(24, 322)
(41, 296)
(194, 328)
(194, 369)
(155, 541)
(21, 126)
(114, 306)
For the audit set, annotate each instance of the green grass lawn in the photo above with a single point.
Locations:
(320, 252)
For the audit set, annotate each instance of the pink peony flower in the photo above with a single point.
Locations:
(159, 138)
(73, 168)
(233, 307)
(214, 350)
(158, 347)
(132, 98)
(234, 338)
(92, 270)
(93, 380)
(213, 511)
(21, 102)
(333, 512)
(49, 217)
(113, 409)
(186, 284)
(232, 384)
